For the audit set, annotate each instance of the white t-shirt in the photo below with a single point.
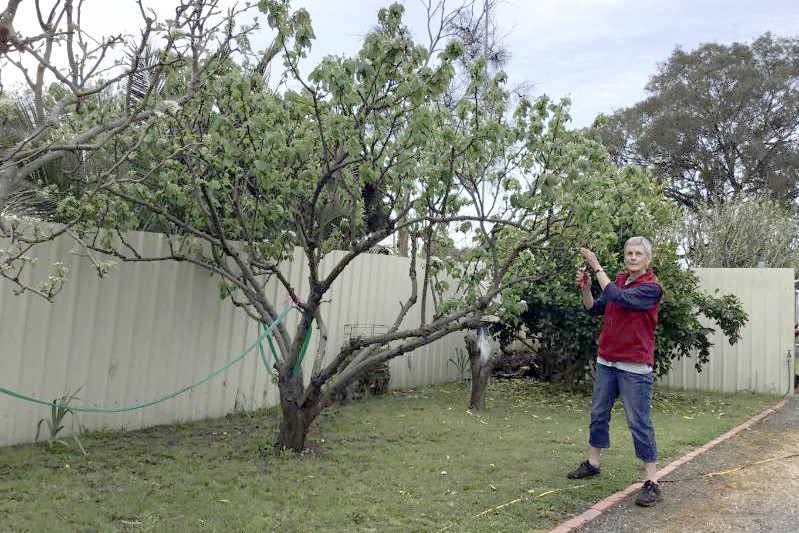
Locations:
(635, 368)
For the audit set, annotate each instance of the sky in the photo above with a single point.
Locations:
(600, 53)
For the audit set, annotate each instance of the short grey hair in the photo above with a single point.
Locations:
(640, 241)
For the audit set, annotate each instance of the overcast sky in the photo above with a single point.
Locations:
(599, 52)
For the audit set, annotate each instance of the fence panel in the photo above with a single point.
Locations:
(150, 329)
(762, 361)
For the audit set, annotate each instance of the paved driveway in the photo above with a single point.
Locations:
(754, 487)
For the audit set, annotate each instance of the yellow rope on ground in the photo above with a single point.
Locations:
(517, 500)
(520, 500)
(556, 490)
(711, 474)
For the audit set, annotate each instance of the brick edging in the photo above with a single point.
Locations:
(602, 506)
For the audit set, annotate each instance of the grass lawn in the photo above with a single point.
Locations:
(417, 460)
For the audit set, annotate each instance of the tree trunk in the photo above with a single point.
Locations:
(481, 371)
(403, 236)
(299, 410)
(293, 428)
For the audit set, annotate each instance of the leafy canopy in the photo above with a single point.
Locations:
(720, 122)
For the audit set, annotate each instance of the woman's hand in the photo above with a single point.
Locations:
(590, 258)
(583, 280)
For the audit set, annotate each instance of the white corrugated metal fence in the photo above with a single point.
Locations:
(762, 361)
(150, 329)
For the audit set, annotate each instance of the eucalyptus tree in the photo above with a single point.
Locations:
(234, 174)
(720, 122)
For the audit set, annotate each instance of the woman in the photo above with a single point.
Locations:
(625, 357)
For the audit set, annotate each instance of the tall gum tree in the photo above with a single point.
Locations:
(234, 175)
(720, 122)
(720, 127)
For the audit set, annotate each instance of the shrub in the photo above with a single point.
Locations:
(566, 334)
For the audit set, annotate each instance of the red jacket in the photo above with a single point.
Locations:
(631, 316)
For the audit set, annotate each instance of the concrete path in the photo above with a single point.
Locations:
(747, 480)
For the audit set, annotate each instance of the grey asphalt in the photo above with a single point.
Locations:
(748, 483)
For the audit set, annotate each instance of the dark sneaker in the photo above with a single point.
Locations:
(584, 470)
(649, 495)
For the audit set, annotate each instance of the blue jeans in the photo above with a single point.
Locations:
(635, 391)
